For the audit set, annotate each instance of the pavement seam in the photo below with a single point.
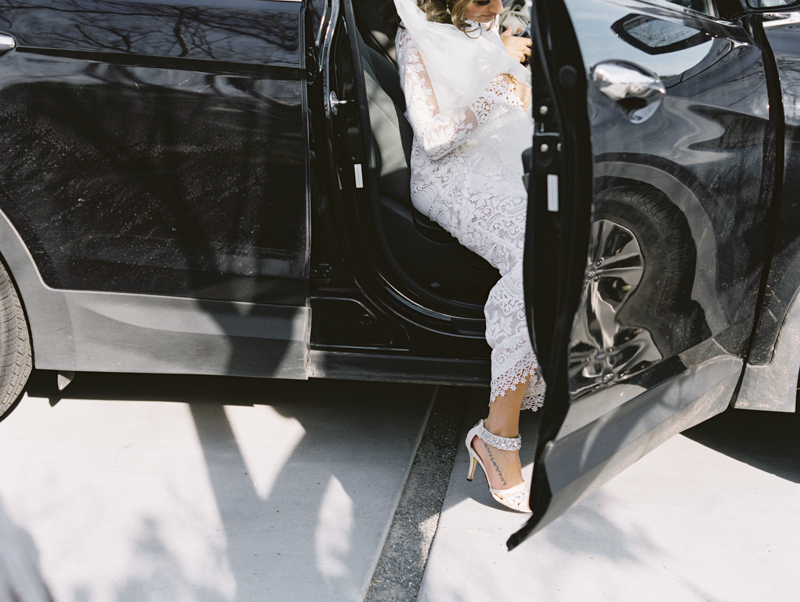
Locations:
(401, 565)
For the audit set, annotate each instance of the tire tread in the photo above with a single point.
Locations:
(16, 360)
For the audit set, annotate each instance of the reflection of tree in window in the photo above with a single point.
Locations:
(152, 28)
(656, 33)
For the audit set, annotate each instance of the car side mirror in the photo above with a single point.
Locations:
(657, 36)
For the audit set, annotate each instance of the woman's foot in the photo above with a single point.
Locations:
(499, 458)
(494, 445)
(503, 468)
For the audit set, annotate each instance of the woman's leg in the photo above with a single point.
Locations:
(516, 381)
(503, 467)
(494, 227)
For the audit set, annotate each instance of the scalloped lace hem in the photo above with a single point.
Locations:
(509, 380)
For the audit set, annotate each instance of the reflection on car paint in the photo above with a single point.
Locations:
(157, 149)
(699, 150)
(784, 275)
(602, 349)
(250, 33)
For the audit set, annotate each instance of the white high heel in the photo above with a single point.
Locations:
(515, 497)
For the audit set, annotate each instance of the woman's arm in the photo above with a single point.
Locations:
(437, 133)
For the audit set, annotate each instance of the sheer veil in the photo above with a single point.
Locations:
(460, 66)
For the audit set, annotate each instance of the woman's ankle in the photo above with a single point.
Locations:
(501, 428)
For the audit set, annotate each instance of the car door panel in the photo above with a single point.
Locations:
(158, 147)
(659, 252)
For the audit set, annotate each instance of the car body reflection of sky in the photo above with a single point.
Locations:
(599, 43)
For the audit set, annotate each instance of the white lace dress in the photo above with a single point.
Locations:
(466, 176)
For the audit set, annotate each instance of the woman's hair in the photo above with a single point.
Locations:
(436, 10)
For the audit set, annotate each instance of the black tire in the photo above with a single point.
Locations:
(15, 345)
(662, 301)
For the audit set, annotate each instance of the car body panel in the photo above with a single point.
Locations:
(585, 458)
(158, 147)
(121, 332)
(781, 32)
(773, 386)
(651, 338)
(132, 280)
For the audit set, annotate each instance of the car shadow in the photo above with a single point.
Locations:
(318, 528)
(768, 441)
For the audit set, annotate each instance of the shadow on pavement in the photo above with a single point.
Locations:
(20, 576)
(312, 534)
(769, 441)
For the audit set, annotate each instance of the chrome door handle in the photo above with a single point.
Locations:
(6, 43)
(638, 91)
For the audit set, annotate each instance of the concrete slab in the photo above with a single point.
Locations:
(181, 489)
(714, 517)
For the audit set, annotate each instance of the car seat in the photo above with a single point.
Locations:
(425, 257)
(377, 34)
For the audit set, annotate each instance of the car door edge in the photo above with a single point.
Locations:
(639, 426)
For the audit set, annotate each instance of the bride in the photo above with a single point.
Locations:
(468, 102)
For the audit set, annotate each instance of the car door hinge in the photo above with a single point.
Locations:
(321, 272)
(547, 151)
(311, 66)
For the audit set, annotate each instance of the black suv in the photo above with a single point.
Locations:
(183, 186)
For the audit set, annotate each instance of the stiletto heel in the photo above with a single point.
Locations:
(472, 464)
(515, 497)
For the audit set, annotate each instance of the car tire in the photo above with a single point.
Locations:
(662, 302)
(15, 345)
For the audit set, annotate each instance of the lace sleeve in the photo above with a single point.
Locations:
(437, 133)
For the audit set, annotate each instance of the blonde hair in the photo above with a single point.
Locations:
(437, 11)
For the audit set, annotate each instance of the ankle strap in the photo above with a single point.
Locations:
(496, 441)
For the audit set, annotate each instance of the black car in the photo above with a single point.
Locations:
(183, 186)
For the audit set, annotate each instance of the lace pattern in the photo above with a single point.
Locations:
(466, 175)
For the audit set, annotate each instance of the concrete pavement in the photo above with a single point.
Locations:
(712, 515)
(140, 488)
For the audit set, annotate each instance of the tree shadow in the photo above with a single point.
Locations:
(20, 574)
(161, 567)
(586, 530)
(317, 530)
(322, 516)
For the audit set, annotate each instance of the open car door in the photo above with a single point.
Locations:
(657, 148)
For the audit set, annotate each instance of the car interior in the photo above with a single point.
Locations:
(424, 259)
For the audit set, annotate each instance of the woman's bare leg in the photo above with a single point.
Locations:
(503, 467)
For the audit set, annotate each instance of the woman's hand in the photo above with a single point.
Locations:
(524, 94)
(518, 48)
(522, 91)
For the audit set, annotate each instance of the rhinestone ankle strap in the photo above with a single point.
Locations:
(496, 441)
